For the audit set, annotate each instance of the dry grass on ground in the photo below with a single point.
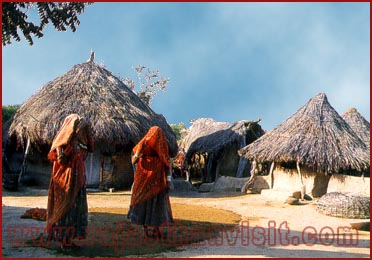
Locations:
(112, 235)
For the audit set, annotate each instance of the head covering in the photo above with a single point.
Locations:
(66, 131)
(150, 175)
(155, 139)
(72, 124)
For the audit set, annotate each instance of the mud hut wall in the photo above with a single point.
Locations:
(347, 183)
(288, 180)
(229, 163)
(123, 175)
(92, 168)
(15, 161)
(228, 183)
(38, 171)
(106, 172)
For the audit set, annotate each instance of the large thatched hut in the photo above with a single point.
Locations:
(359, 124)
(310, 145)
(118, 117)
(217, 143)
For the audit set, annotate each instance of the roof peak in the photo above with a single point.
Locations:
(91, 57)
(351, 110)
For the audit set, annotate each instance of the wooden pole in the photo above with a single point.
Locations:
(303, 188)
(24, 164)
(271, 184)
(251, 180)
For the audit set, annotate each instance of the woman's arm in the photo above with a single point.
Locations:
(135, 157)
(138, 151)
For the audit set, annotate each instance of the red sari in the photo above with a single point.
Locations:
(67, 185)
(152, 167)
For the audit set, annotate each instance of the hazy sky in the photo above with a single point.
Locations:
(227, 61)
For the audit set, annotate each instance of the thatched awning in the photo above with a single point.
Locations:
(359, 125)
(117, 115)
(201, 127)
(315, 135)
(225, 136)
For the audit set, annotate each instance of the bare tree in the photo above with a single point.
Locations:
(149, 84)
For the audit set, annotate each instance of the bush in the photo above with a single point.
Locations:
(8, 112)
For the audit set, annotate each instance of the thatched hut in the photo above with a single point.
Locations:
(118, 117)
(218, 144)
(310, 145)
(359, 125)
(201, 127)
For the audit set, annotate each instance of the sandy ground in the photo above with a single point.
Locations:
(269, 227)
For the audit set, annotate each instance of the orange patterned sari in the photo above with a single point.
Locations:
(150, 175)
(68, 178)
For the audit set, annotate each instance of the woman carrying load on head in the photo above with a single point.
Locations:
(150, 205)
(67, 211)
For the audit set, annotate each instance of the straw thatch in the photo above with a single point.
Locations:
(224, 135)
(344, 205)
(201, 127)
(118, 117)
(359, 125)
(316, 136)
(212, 147)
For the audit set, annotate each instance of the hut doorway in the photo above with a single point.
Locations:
(92, 166)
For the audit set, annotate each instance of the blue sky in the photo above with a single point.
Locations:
(227, 61)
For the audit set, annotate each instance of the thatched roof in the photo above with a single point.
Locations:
(117, 115)
(359, 125)
(317, 136)
(224, 136)
(201, 127)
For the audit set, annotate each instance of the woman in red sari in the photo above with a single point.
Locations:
(150, 205)
(67, 211)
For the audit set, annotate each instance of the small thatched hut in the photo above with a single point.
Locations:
(315, 138)
(201, 127)
(118, 117)
(218, 143)
(359, 125)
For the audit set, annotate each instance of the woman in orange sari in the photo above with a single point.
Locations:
(150, 205)
(67, 211)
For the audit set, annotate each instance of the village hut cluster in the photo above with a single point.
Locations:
(119, 119)
(309, 148)
(211, 148)
(314, 151)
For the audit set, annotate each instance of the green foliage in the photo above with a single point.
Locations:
(150, 86)
(62, 15)
(179, 130)
(8, 112)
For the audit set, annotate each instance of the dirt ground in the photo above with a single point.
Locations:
(268, 227)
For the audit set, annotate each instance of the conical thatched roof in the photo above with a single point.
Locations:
(359, 125)
(225, 136)
(117, 115)
(317, 136)
(201, 127)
